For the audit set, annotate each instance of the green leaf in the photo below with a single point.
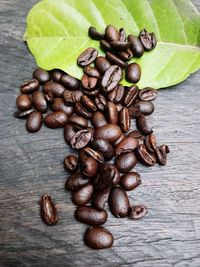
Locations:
(57, 32)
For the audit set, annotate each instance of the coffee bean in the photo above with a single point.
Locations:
(161, 155)
(82, 111)
(134, 112)
(23, 114)
(144, 156)
(81, 139)
(104, 147)
(77, 95)
(94, 154)
(148, 94)
(99, 199)
(105, 176)
(55, 88)
(70, 82)
(49, 97)
(102, 64)
(48, 210)
(133, 73)
(131, 94)
(69, 132)
(105, 45)
(41, 75)
(109, 132)
(82, 195)
(124, 120)
(90, 71)
(144, 125)
(151, 143)
(75, 181)
(88, 83)
(118, 202)
(71, 163)
(39, 101)
(125, 162)
(125, 55)
(111, 78)
(128, 144)
(100, 102)
(89, 166)
(23, 102)
(122, 136)
(69, 97)
(34, 122)
(146, 107)
(120, 45)
(98, 119)
(56, 74)
(59, 105)
(98, 238)
(94, 34)
(56, 119)
(78, 121)
(88, 103)
(91, 216)
(87, 57)
(117, 177)
(30, 86)
(92, 92)
(111, 33)
(137, 212)
(122, 35)
(136, 45)
(114, 60)
(135, 134)
(148, 40)
(112, 113)
(130, 180)
(117, 94)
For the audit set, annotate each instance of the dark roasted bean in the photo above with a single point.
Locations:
(148, 94)
(59, 105)
(102, 64)
(98, 119)
(122, 136)
(23, 102)
(41, 75)
(135, 134)
(83, 195)
(82, 111)
(111, 33)
(70, 82)
(161, 155)
(146, 107)
(128, 144)
(94, 154)
(23, 114)
(125, 55)
(94, 34)
(117, 94)
(39, 101)
(136, 45)
(130, 180)
(78, 121)
(69, 97)
(148, 40)
(105, 45)
(34, 122)
(81, 139)
(48, 210)
(100, 102)
(120, 45)
(144, 156)
(115, 60)
(133, 73)
(90, 71)
(111, 78)
(91, 93)
(56, 74)
(116, 178)
(144, 125)
(71, 163)
(104, 147)
(91, 216)
(87, 57)
(125, 162)
(122, 35)
(99, 198)
(150, 142)
(89, 166)
(55, 88)
(137, 212)
(88, 83)
(109, 132)
(131, 94)
(88, 103)
(112, 113)
(68, 133)
(56, 119)
(105, 175)
(77, 95)
(134, 112)
(124, 120)
(75, 181)
(30, 86)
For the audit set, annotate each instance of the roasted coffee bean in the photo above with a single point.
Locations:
(88, 103)
(137, 212)
(98, 119)
(112, 113)
(134, 112)
(56, 74)
(130, 180)
(118, 202)
(105, 45)
(92, 92)
(111, 33)
(94, 34)
(133, 73)
(30, 86)
(148, 40)
(136, 45)
(115, 60)
(99, 199)
(122, 136)
(39, 101)
(104, 147)
(88, 83)
(34, 122)
(77, 95)
(48, 210)
(148, 94)
(144, 125)
(119, 107)
(49, 97)
(131, 94)
(111, 78)
(55, 88)
(91, 216)
(120, 45)
(59, 105)
(94, 154)
(125, 162)
(81, 139)
(125, 55)
(90, 71)
(70, 82)
(41, 75)
(23, 102)
(146, 107)
(116, 178)
(128, 144)
(82, 195)
(161, 155)
(98, 237)
(150, 142)
(82, 111)
(75, 181)
(100, 102)
(124, 120)
(89, 167)
(144, 156)
(165, 148)
(122, 35)
(56, 119)
(23, 114)
(68, 133)
(105, 176)
(78, 121)
(117, 94)
(102, 64)
(69, 97)
(109, 132)
(87, 57)
(135, 134)
(71, 163)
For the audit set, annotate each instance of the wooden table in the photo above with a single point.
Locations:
(31, 164)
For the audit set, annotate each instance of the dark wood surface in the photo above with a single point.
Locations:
(31, 164)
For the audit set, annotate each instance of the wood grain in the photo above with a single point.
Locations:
(31, 165)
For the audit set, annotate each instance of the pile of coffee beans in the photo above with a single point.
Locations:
(96, 113)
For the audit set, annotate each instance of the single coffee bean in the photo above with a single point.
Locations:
(120, 45)
(23, 114)
(133, 73)
(137, 212)
(125, 55)
(34, 122)
(134, 112)
(148, 94)
(87, 57)
(111, 33)
(128, 144)
(56, 119)
(41, 75)
(49, 97)
(91, 216)
(98, 237)
(82, 111)
(55, 88)
(122, 136)
(146, 107)
(48, 210)
(118, 202)
(104, 147)
(105, 45)
(94, 154)
(81, 139)
(98, 119)
(131, 94)
(144, 156)
(90, 71)
(70, 82)
(99, 198)
(39, 101)
(130, 180)
(89, 166)
(144, 125)
(148, 40)
(88, 103)
(165, 148)
(117, 177)
(161, 155)
(59, 105)
(92, 92)
(136, 45)
(75, 181)
(115, 60)
(88, 83)
(151, 143)
(23, 102)
(135, 134)
(78, 121)
(111, 78)
(69, 97)
(69, 132)
(30, 86)
(109, 132)
(82, 195)
(105, 176)
(102, 64)
(125, 162)
(117, 94)
(71, 163)
(112, 113)
(56, 74)
(94, 34)
(100, 102)
(124, 120)
(122, 35)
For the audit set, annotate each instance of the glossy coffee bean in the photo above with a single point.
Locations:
(56, 119)
(128, 144)
(117, 177)
(161, 155)
(124, 120)
(109, 132)
(148, 40)
(130, 180)
(69, 132)
(23, 102)
(144, 125)
(70, 82)
(146, 107)
(89, 167)
(136, 45)
(69, 97)
(41, 75)
(112, 113)
(148, 94)
(118, 202)
(117, 94)
(100, 102)
(87, 57)
(99, 198)
(55, 88)
(94, 154)
(102, 64)
(98, 119)
(71, 163)
(34, 122)
(122, 35)
(83, 195)
(91, 216)
(48, 210)
(111, 33)
(137, 212)
(105, 45)
(144, 156)
(134, 112)
(80, 139)
(111, 78)
(75, 181)
(135, 134)
(105, 176)
(120, 45)
(151, 143)
(88, 103)
(104, 147)
(78, 121)
(23, 114)
(125, 55)
(39, 101)
(59, 105)
(94, 34)
(92, 72)
(98, 237)
(91, 92)
(131, 94)
(115, 60)
(30, 86)
(133, 73)
(82, 111)
(125, 162)
(88, 82)
(56, 74)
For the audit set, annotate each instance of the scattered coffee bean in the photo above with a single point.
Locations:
(56, 119)
(88, 83)
(23, 102)
(137, 212)
(94, 154)
(55, 88)
(69, 132)
(135, 134)
(88, 103)
(125, 55)
(125, 162)
(105, 176)
(133, 73)
(150, 142)
(111, 33)
(144, 156)
(94, 34)
(56, 74)
(144, 125)
(76, 181)
(41, 75)
(59, 105)
(78, 121)
(23, 114)
(161, 155)
(105, 45)
(115, 60)
(82, 195)
(136, 46)
(34, 122)
(100, 102)
(98, 119)
(82, 111)
(146, 107)
(134, 112)
(148, 40)
(122, 136)
(104, 147)
(130, 180)
(48, 210)
(39, 101)
(87, 57)
(109, 132)
(30, 86)
(89, 166)
(100, 198)
(131, 94)
(128, 144)
(148, 94)
(117, 94)
(112, 113)
(124, 120)
(81, 139)
(71, 163)
(111, 78)
(90, 71)
(102, 64)
(118, 202)
(70, 82)
(120, 45)
(91, 216)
